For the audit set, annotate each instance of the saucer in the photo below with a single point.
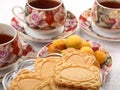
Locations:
(105, 67)
(28, 52)
(86, 25)
(69, 28)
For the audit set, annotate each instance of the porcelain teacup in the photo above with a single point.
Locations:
(105, 15)
(10, 48)
(42, 16)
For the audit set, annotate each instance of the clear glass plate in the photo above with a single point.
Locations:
(27, 64)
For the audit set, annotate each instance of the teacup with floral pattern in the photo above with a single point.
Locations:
(104, 18)
(9, 50)
(42, 20)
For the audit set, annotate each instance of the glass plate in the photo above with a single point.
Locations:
(27, 64)
(43, 52)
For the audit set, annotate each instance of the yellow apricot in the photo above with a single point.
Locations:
(73, 41)
(87, 50)
(100, 56)
(86, 43)
(59, 44)
(56, 46)
(51, 48)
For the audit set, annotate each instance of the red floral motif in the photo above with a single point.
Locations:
(50, 18)
(30, 10)
(27, 50)
(96, 46)
(112, 21)
(15, 47)
(14, 20)
(82, 18)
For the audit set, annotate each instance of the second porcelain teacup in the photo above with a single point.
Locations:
(105, 15)
(10, 49)
(43, 16)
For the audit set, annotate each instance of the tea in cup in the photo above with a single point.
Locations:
(42, 16)
(105, 15)
(10, 48)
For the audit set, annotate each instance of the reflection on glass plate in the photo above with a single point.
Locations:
(69, 28)
(86, 25)
(27, 64)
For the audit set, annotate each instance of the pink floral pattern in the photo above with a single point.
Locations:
(3, 57)
(9, 52)
(36, 19)
(45, 20)
(4, 54)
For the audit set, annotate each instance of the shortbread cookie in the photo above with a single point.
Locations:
(75, 56)
(68, 50)
(45, 66)
(25, 80)
(45, 84)
(66, 88)
(78, 76)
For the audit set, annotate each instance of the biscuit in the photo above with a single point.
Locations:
(78, 76)
(75, 56)
(24, 81)
(44, 85)
(73, 70)
(66, 88)
(45, 66)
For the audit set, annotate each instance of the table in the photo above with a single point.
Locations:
(76, 7)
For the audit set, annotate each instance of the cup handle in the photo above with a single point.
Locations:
(14, 9)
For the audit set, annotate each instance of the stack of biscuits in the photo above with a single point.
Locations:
(74, 70)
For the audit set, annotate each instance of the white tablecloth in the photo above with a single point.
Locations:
(76, 7)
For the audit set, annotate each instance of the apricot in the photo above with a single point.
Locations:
(100, 56)
(51, 48)
(86, 43)
(73, 41)
(57, 46)
(87, 49)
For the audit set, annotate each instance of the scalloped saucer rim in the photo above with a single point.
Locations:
(69, 28)
(86, 25)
